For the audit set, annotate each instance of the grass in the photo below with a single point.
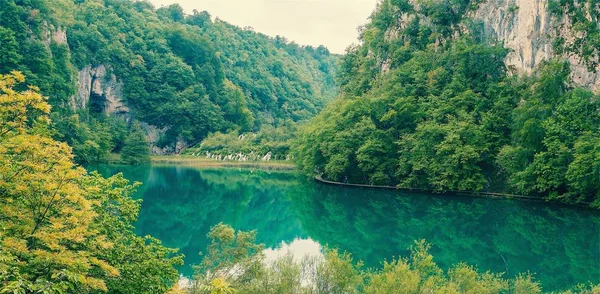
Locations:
(195, 161)
(113, 158)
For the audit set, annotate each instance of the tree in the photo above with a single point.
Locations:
(200, 19)
(231, 259)
(135, 149)
(46, 218)
(63, 230)
(448, 116)
(173, 12)
(9, 52)
(237, 268)
(144, 264)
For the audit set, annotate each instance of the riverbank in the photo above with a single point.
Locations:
(491, 195)
(195, 161)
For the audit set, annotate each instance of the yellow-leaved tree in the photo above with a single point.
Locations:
(47, 243)
(62, 230)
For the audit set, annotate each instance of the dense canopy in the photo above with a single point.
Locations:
(106, 63)
(426, 102)
(435, 107)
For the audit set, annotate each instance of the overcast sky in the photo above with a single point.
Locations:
(332, 23)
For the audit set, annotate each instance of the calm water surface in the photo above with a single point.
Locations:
(560, 245)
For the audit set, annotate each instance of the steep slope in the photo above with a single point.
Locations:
(433, 99)
(275, 74)
(538, 30)
(107, 63)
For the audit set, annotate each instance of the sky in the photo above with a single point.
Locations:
(332, 23)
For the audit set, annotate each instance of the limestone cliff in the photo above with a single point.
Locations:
(95, 85)
(153, 135)
(52, 34)
(528, 28)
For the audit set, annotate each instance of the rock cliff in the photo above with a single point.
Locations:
(528, 28)
(95, 85)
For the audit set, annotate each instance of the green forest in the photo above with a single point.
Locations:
(448, 115)
(184, 74)
(423, 101)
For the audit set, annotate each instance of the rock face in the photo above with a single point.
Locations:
(153, 135)
(526, 27)
(52, 34)
(60, 36)
(84, 88)
(101, 90)
(98, 88)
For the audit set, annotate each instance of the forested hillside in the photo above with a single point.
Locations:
(107, 63)
(428, 102)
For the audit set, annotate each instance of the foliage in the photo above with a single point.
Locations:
(580, 18)
(281, 80)
(232, 259)
(274, 140)
(184, 74)
(338, 273)
(144, 264)
(135, 149)
(46, 218)
(63, 230)
(437, 109)
(549, 128)
(92, 140)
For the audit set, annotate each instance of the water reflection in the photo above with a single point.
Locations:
(298, 248)
(561, 245)
(181, 204)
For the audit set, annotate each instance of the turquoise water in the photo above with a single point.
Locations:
(560, 245)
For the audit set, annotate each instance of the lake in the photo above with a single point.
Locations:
(560, 245)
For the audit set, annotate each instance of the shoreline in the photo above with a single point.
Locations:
(194, 161)
(489, 195)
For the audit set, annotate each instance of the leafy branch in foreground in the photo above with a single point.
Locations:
(62, 229)
(234, 263)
